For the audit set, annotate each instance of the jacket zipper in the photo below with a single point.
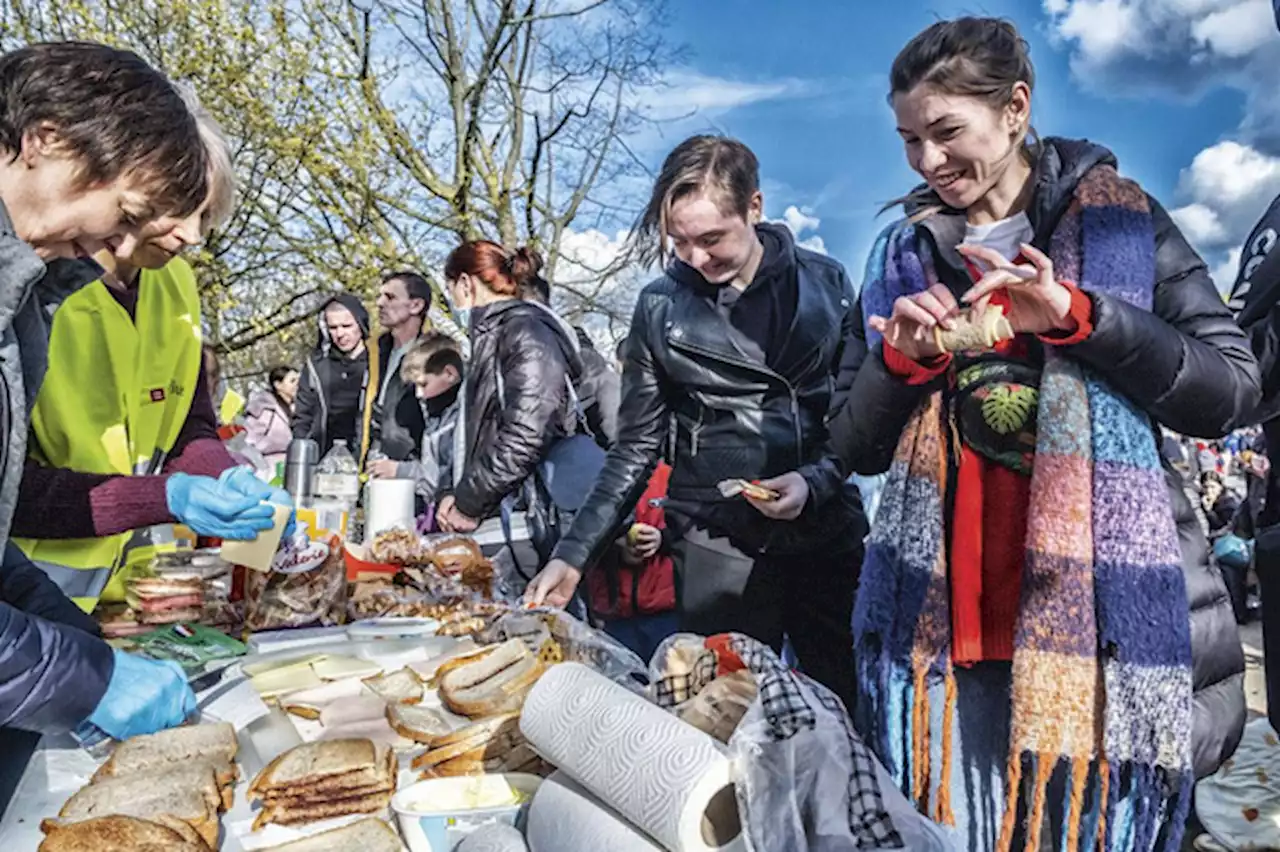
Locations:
(791, 390)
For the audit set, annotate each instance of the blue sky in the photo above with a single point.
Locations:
(1186, 92)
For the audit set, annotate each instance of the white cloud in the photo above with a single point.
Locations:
(800, 220)
(685, 93)
(1227, 186)
(1238, 30)
(1224, 273)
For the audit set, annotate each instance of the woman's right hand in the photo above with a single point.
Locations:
(554, 585)
(910, 328)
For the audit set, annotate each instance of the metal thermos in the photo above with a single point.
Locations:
(300, 469)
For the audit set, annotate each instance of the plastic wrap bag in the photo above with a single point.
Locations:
(306, 586)
(805, 781)
(571, 641)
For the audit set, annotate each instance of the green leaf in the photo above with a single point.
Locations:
(1007, 408)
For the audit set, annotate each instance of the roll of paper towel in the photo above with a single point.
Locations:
(563, 817)
(664, 776)
(389, 505)
(494, 837)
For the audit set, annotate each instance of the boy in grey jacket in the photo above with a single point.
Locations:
(434, 368)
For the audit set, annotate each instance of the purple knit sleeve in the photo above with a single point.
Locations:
(57, 503)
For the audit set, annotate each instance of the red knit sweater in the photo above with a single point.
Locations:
(989, 515)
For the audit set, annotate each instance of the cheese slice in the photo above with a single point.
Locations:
(284, 681)
(255, 669)
(339, 668)
(259, 552)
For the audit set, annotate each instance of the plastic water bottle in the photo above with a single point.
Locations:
(338, 477)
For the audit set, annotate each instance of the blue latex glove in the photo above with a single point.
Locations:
(212, 508)
(243, 481)
(142, 697)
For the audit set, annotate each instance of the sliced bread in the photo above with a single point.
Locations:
(398, 687)
(495, 684)
(367, 835)
(121, 834)
(488, 738)
(139, 797)
(420, 724)
(351, 761)
(216, 743)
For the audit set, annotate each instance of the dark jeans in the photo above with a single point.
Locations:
(1267, 567)
(807, 597)
(643, 633)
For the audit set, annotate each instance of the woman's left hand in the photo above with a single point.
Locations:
(1038, 304)
(449, 519)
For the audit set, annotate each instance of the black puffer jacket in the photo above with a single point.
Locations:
(734, 417)
(331, 391)
(1186, 364)
(534, 352)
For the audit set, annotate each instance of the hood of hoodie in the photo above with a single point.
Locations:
(355, 306)
(493, 316)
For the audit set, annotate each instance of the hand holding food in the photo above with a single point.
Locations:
(971, 330)
(643, 541)
(214, 508)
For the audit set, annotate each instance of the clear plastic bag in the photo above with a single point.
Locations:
(573, 642)
(805, 781)
(306, 586)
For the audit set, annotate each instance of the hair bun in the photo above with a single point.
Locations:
(523, 264)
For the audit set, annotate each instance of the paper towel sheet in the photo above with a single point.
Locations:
(565, 818)
(641, 761)
(495, 837)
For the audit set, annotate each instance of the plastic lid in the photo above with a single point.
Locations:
(392, 628)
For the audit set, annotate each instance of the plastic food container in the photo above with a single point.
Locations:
(392, 628)
(427, 829)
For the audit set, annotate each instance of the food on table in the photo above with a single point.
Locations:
(971, 331)
(398, 547)
(720, 705)
(340, 668)
(735, 487)
(306, 586)
(366, 835)
(470, 794)
(147, 797)
(166, 600)
(401, 686)
(420, 724)
(215, 744)
(122, 834)
(324, 779)
(495, 683)
(118, 621)
(494, 745)
(428, 671)
(353, 710)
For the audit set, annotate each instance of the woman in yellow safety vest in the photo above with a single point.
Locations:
(124, 434)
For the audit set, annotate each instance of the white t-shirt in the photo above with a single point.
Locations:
(1005, 236)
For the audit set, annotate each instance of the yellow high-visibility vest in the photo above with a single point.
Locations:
(230, 407)
(114, 399)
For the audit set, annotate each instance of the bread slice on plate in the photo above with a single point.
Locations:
(485, 739)
(321, 810)
(398, 687)
(367, 835)
(495, 683)
(216, 743)
(420, 724)
(121, 834)
(138, 796)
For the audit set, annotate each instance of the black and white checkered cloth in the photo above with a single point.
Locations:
(785, 697)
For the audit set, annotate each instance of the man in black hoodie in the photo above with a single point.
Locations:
(331, 391)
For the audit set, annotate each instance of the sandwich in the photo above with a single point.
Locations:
(168, 599)
(213, 744)
(398, 687)
(122, 834)
(735, 487)
(488, 747)
(419, 724)
(496, 683)
(118, 621)
(147, 798)
(367, 835)
(971, 331)
(324, 779)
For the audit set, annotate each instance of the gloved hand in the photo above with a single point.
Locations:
(242, 481)
(142, 697)
(213, 508)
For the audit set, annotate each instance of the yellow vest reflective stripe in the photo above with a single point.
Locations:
(114, 399)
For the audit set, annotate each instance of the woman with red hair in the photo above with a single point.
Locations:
(516, 403)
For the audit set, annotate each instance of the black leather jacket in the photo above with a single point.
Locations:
(695, 380)
(534, 352)
(1186, 363)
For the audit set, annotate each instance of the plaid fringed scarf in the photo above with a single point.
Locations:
(1101, 677)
